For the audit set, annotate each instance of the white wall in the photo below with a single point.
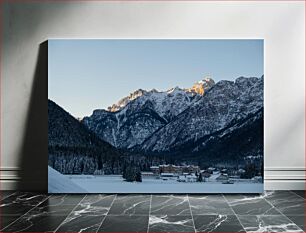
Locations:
(26, 25)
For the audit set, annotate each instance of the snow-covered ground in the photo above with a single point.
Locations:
(115, 184)
(58, 183)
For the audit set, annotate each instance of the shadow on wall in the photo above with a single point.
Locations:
(34, 153)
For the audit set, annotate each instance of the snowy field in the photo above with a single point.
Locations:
(115, 184)
(57, 183)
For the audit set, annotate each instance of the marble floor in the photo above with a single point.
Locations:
(279, 211)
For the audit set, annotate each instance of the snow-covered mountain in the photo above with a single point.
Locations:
(160, 97)
(137, 116)
(225, 102)
(153, 121)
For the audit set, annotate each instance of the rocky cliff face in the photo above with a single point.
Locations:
(159, 122)
(137, 116)
(224, 103)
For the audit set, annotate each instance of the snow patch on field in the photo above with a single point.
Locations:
(58, 183)
(115, 184)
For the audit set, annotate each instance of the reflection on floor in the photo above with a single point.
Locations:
(280, 211)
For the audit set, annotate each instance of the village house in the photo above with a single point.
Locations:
(167, 175)
(170, 168)
(188, 178)
(205, 173)
(191, 169)
(155, 169)
(222, 177)
(148, 174)
(223, 171)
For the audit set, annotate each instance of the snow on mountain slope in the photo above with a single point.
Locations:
(202, 86)
(224, 102)
(124, 101)
(240, 139)
(160, 121)
(137, 116)
(127, 127)
(199, 87)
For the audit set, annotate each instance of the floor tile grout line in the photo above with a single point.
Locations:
(56, 229)
(149, 213)
(8, 196)
(297, 194)
(234, 212)
(191, 214)
(106, 213)
(282, 214)
(25, 213)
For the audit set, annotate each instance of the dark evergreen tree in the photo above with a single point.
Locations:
(200, 178)
(129, 174)
(124, 171)
(132, 173)
(250, 171)
(138, 176)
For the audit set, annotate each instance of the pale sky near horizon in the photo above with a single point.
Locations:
(85, 74)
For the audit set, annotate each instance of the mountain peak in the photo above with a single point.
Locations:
(123, 102)
(202, 86)
(206, 79)
(154, 90)
(199, 88)
(173, 90)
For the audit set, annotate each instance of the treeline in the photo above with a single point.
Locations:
(96, 161)
(73, 149)
(84, 160)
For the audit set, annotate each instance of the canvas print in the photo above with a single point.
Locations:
(155, 116)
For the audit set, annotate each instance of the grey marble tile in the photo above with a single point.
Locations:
(299, 220)
(209, 205)
(250, 205)
(20, 203)
(130, 205)
(35, 223)
(5, 194)
(273, 223)
(166, 223)
(6, 220)
(48, 214)
(170, 205)
(301, 193)
(287, 202)
(88, 214)
(126, 223)
(62, 199)
(281, 193)
(26, 196)
(81, 223)
(130, 213)
(217, 223)
(95, 204)
(60, 205)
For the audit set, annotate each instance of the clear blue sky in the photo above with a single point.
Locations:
(92, 74)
